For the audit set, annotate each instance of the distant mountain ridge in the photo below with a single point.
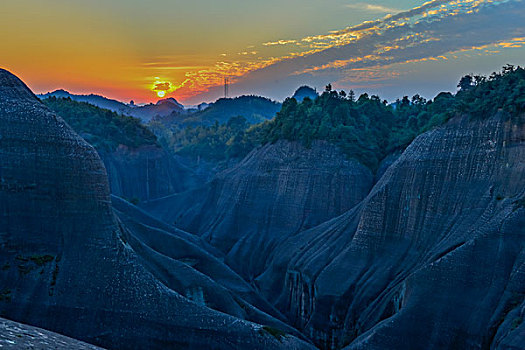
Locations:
(162, 108)
(255, 109)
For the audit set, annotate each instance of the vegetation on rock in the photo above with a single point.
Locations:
(102, 128)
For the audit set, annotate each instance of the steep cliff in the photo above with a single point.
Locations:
(433, 258)
(277, 190)
(138, 167)
(146, 173)
(68, 263)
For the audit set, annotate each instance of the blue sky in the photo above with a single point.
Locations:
(130, 49)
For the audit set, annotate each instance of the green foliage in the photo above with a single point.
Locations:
(254, 109)
(41, 260)
(55, 275)
(28, 264)
(369, 129)
(217, 142)
(102, 128)
(366, 129)
(134, 200)
(5, 295)
(516, 323)
(274, 332)
(520, 203)
(504, 91)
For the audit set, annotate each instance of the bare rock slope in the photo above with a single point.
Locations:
(145, 173)
(277, 190)
(68, 262)
(14, 335)
(433, 258)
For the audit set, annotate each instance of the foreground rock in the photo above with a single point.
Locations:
(433, 258)
(277, 190)
(14, 335)
(66, 260)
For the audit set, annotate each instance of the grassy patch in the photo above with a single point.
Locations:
(520, 203)
(516, 323)
(41, 260)
(28, 264)
(134, 200)
(55, 274)
(5, 295)
(274, 332)
(25, 269)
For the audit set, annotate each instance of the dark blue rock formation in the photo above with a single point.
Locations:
(69, 263)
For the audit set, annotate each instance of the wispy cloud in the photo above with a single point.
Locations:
(427, 32)
(280, 42)
(371, 8)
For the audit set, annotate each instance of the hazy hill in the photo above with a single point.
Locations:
(305, 91)
(255, 109)
(162, 108)
(96, 100)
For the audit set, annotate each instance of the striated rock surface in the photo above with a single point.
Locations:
(194, 269)
(433, 258)
(146, 173)
(277, 190)
(69, 264)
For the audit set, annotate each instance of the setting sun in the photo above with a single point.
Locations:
(161, 93)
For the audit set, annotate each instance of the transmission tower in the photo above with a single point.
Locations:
(226, 85)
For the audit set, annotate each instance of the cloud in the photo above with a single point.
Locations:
(162, 86)
(411, 35)
(365, 51)
(371, 8)
(280, 42)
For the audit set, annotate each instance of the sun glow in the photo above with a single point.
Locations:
(161, 94)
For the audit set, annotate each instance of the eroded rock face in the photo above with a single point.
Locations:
(433, 258)
(275, 191)
(146, 173)
(66, 261)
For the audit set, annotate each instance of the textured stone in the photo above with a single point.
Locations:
(14, 335)
(433, 258)
(277, 190)
(66, 261)
(146, 173)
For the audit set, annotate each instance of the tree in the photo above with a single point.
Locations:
(466, 83)
(418, 100)
(351, 95)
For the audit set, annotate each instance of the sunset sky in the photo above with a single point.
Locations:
(131, 49)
